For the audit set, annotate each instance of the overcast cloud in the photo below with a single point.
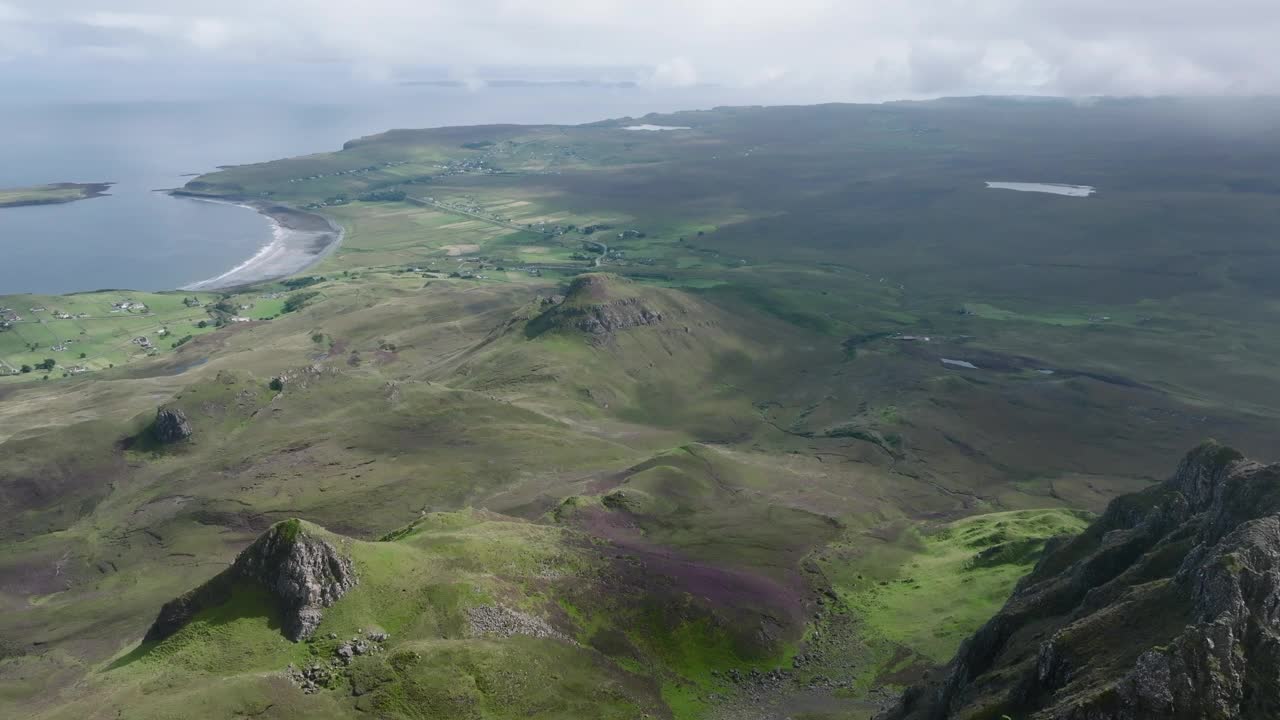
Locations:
(838, 49)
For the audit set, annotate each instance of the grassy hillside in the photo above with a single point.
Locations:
(491, 617)
(418, 589)
(381, 400)
(760, 418)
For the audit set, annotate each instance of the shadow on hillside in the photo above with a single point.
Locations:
(211, 625)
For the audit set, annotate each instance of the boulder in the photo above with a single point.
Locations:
(171, 425)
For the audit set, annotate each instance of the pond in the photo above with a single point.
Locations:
(656, 128)
(1052, 188)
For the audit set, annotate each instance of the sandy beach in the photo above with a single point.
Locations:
(299, 240)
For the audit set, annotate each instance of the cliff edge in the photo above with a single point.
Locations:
(1168, 606)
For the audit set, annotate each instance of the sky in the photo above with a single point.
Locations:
(850, 50)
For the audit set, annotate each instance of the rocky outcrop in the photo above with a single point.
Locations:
(599, 305)
(495, 620)
(613, 316)
(1168, 606)
(301, 572)
(171, 425)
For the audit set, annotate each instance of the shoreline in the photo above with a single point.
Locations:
(300, 239)
(88, 191)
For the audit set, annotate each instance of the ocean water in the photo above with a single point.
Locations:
(137, 238)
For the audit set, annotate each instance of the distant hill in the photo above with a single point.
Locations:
(53, 194)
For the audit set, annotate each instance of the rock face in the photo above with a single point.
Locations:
(1168, 606)
(171, 425)
(301, 572)
(613, 316)
(599, 305)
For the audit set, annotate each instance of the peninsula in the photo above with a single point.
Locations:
(51, 194)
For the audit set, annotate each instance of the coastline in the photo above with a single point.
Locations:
(87, 191)
(300, 239)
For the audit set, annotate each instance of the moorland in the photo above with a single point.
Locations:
(759, 417)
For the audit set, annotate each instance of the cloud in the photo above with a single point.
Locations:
(138, 22)
(676, 72)
(851, 49)
(9, 13)
(207, 33)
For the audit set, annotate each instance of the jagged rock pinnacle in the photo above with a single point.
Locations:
(302, 572)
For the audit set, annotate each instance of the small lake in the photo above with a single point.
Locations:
(656, 128)
(1051, 188)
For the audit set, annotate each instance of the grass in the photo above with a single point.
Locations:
(916, 597)
(518, 678)
(774, 422)
(100, 333)
(244, 635)
(416, 588)
(955, 579)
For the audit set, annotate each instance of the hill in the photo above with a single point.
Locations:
(616, 419)
(447, 617)
(1161, 608)
(754, 420)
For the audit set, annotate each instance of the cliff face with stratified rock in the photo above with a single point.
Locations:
(1168, 606)
(302, 572)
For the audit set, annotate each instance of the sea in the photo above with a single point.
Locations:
(140, 238)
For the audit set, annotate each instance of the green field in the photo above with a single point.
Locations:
(925, 593)
(88, 331)
(681, 396)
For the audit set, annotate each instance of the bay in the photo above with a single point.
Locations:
(137, 238)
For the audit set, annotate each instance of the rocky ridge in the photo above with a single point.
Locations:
(1168, 606)
(302, 572)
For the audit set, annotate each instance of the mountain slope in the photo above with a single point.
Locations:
(1166, 607)
(452, 616)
